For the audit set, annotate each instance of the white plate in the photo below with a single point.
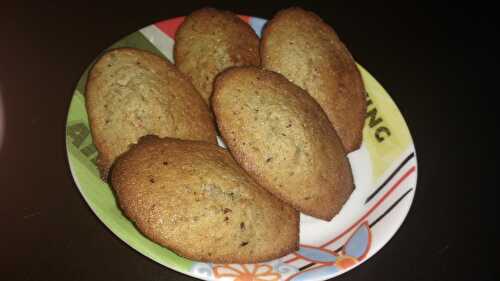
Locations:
(384, 168)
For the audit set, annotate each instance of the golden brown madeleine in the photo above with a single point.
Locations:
(193, 198)
(307, 51)
(131, 93)
(209, 41)
(283, 139)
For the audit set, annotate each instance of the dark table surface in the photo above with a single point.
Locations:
(436, 61)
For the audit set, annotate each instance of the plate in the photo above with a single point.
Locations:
(384, 169)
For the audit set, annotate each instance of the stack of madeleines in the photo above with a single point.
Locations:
(289, 107)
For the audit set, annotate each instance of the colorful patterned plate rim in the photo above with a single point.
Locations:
(384, 168)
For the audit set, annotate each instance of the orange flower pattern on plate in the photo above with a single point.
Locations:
(260, 272)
